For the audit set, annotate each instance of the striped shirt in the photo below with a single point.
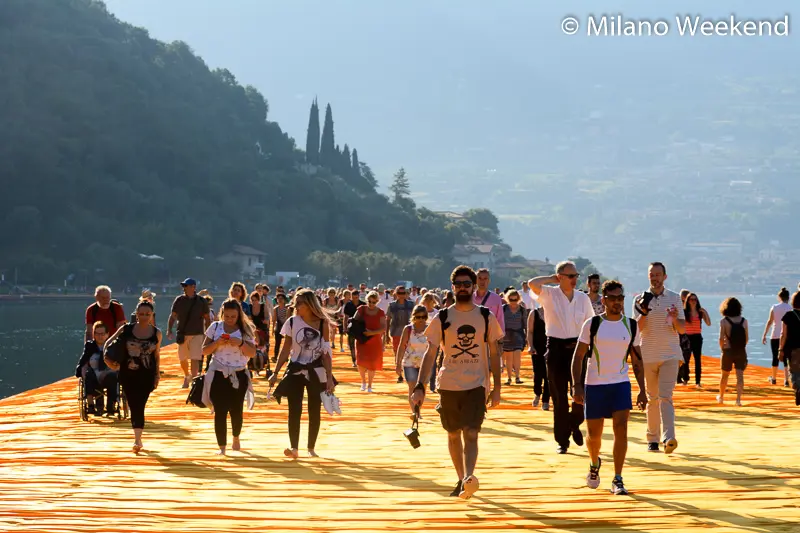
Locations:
(659, 339)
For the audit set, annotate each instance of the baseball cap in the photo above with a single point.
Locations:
(188, 281)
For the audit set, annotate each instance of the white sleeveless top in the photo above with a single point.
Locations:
(778, 310)
(415, 350)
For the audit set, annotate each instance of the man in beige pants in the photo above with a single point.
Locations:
(660, 316)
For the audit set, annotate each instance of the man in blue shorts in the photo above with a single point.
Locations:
(605, 342)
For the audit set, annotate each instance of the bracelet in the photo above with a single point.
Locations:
(419, 386)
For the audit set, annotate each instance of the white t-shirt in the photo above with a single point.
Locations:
(608, 362)
(527, 299)
(563, 318)
(227, 355)
(307, 342)
(778, 310)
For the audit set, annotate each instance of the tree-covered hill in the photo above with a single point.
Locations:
(113, 144)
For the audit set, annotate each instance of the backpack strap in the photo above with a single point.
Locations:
(593, 328)
(488, 293)
(633, 329)
(443, 321)
(485, 312)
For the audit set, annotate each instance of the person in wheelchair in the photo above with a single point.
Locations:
(96, 375)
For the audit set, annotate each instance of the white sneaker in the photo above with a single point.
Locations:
(186, 381)
(469, 487)
(536, 400)
(363, 387)
(545, 406)
(738, 403)
(369, 389)
(593, 477)
(327, 402)
(771, 381)
(719, 399)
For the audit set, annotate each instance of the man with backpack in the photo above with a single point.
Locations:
(104, 309)
(604, 344)
(468, 335)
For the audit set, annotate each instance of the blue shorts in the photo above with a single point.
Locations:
(601, 401)
(411, 374)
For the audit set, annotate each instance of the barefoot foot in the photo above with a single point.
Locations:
(290, 453)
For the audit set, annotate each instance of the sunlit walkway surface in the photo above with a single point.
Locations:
(736, 469)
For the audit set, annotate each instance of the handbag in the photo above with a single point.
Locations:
(180, 336)
(196, 392)
(117, 350)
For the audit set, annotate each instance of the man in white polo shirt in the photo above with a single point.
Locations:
(604, 345)
(660, 316)
(565, 311)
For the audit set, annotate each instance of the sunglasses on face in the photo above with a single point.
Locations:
(420, 317)
(570, 276)
(401, 294)
(515, 300)
(620, 298)
(466, 284)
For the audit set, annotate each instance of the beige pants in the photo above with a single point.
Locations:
(192, 348)
(659, 382)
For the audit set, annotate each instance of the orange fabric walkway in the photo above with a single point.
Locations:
(736, 469)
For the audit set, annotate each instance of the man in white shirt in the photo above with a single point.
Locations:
(386, 298)
(486, 298)
(565, 311)
(660, 316)
(527, 297)
(604, 345)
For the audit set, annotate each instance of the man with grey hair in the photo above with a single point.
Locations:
(105, 310)
(565, 311)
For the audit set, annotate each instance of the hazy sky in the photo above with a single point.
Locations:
(430, 84)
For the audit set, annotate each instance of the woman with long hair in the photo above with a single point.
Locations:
(369, 354)
(307, 348)
(239, 293)
(695, 316)
(331, 304)
(775, 320)
(231, 343)
(260, 318)
(412, 347)
(733, 338)
(280, 313)
(790, 343)
(139, 368)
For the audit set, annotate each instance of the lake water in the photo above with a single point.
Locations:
(41, 340)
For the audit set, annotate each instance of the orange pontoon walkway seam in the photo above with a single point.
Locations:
(736, 469)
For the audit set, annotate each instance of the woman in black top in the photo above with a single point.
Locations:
(139, 368)
(790, 343)
(260, 318)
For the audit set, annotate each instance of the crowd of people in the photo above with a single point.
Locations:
(455, 342)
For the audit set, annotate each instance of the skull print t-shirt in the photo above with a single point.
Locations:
(465, 363)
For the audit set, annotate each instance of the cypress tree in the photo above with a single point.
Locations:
(355, 169)
(312, 137)
(344, 165)
(327, 150)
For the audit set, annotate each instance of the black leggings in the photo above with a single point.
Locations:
(278, 338)
(137, 391)
(541, 384)
(226, 400)
(696, 343)
(351, 343)
(297, 385)
(775, 345)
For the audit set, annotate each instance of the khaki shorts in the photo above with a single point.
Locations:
(192, 348)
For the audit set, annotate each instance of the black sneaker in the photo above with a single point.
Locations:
(652, 447)
(508, 382)
(617, 487)
(457, 491)
(577, 436)
(519, 381)
(399, 379)
(91, 410)
(561, 450)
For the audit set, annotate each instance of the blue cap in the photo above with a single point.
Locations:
(188, 281)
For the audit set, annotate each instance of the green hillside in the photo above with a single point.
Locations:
(113, 144)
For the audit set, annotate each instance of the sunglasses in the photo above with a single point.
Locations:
(515, 300)
(571, 276)
(400, 293)
(620, 298)
(465, 284)
(420, 317)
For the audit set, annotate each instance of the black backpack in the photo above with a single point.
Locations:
(96, 309)
(484, 311)
(737, 338)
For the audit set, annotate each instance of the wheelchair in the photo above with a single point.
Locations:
(120, 407)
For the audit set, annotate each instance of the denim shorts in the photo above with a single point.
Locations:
(601, 401)
(411, 374)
